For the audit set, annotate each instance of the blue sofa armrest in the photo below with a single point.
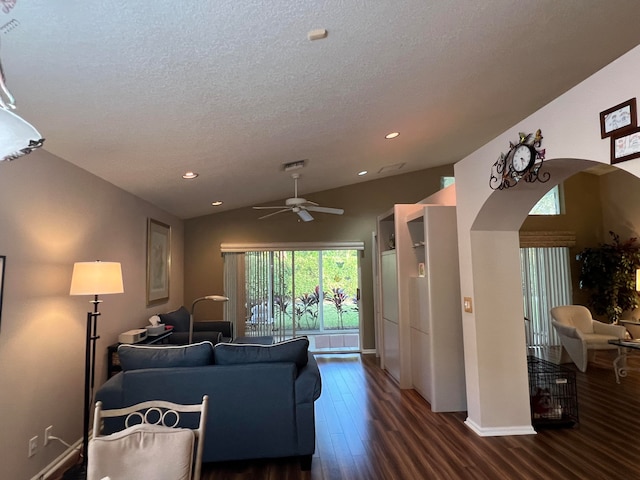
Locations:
(308, 382)
(224, 327)
(182, 338)
(111, 392)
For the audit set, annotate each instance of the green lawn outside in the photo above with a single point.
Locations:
(350, 319)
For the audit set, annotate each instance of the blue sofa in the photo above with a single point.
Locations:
(261, 398)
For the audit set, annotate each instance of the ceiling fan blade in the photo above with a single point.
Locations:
(333, 211)
(266, 208)
(309, 202)
(274, 213)
(304, 215)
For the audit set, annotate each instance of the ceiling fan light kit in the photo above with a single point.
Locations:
(17, 136)
(298, 205)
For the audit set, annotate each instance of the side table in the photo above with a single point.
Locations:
(620, 363)
(113, 361)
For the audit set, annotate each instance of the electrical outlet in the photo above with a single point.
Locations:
(47, 435)
(33, 446)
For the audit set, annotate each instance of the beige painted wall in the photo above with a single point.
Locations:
(362, 202)
(572, 141)
(53, 214)
(621, 192)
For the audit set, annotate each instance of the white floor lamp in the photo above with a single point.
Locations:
(92, 278)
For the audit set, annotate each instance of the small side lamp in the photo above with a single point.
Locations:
(215, 298)
(92, 278)
(638, 280)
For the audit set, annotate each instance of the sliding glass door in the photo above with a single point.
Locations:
(288, 293)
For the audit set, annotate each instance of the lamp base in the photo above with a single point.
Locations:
(77, 472)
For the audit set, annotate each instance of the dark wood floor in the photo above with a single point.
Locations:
(367, 428)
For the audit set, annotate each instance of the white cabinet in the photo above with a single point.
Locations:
(390, 325)
(437, 354)
(397, 264)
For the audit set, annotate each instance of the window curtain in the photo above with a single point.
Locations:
(546, 283)
(261, 282)
(233, 279)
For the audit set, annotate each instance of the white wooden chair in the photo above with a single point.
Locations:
(151, 446)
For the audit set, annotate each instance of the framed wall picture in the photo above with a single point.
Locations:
(3, 261)
(158, 261)
(625, 146)
(617, 119)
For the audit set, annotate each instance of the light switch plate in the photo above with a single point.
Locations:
(468, 305)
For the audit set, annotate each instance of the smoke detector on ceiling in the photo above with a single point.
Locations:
(297, 165)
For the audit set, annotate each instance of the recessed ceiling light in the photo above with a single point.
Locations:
(363, 172)
(217, 203)
(391, 135)
(190, 175)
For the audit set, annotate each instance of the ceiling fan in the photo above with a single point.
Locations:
(300, 205)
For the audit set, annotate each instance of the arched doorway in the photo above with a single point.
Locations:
(495, 345)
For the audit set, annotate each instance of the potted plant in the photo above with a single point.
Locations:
(608, 273)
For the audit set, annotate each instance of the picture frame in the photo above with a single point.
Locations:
(421, 271)
(3, 261)
(158, 261)
(617, 119)
(625, 146)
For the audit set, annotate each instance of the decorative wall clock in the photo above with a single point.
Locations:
(522, 162)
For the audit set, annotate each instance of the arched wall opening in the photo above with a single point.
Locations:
(497, 381)
(488, 223)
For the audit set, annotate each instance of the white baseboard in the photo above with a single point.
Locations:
(368, 351)
(499, 431)
(59, 461)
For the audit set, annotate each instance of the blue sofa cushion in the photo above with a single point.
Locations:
(294, 350)
(135, 357)
(180, 319)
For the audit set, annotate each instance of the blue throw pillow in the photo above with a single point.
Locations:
(180, 319)
(294, 350)
(135, 357)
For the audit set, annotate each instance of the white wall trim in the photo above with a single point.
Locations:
(369, 351)
(59, 461)
(499, 431)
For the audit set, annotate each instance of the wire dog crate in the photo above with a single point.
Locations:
(553, 394)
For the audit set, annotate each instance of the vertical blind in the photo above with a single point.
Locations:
(261, 282)
(546, 283)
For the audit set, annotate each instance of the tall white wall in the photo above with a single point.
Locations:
(53, 214)
(488, 222)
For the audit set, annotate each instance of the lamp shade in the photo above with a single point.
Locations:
(17, 136)
(96, 278)
(638, 280)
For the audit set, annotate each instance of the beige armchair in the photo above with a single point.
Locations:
(582, 336)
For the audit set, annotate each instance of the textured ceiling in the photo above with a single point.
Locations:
(140, 92)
